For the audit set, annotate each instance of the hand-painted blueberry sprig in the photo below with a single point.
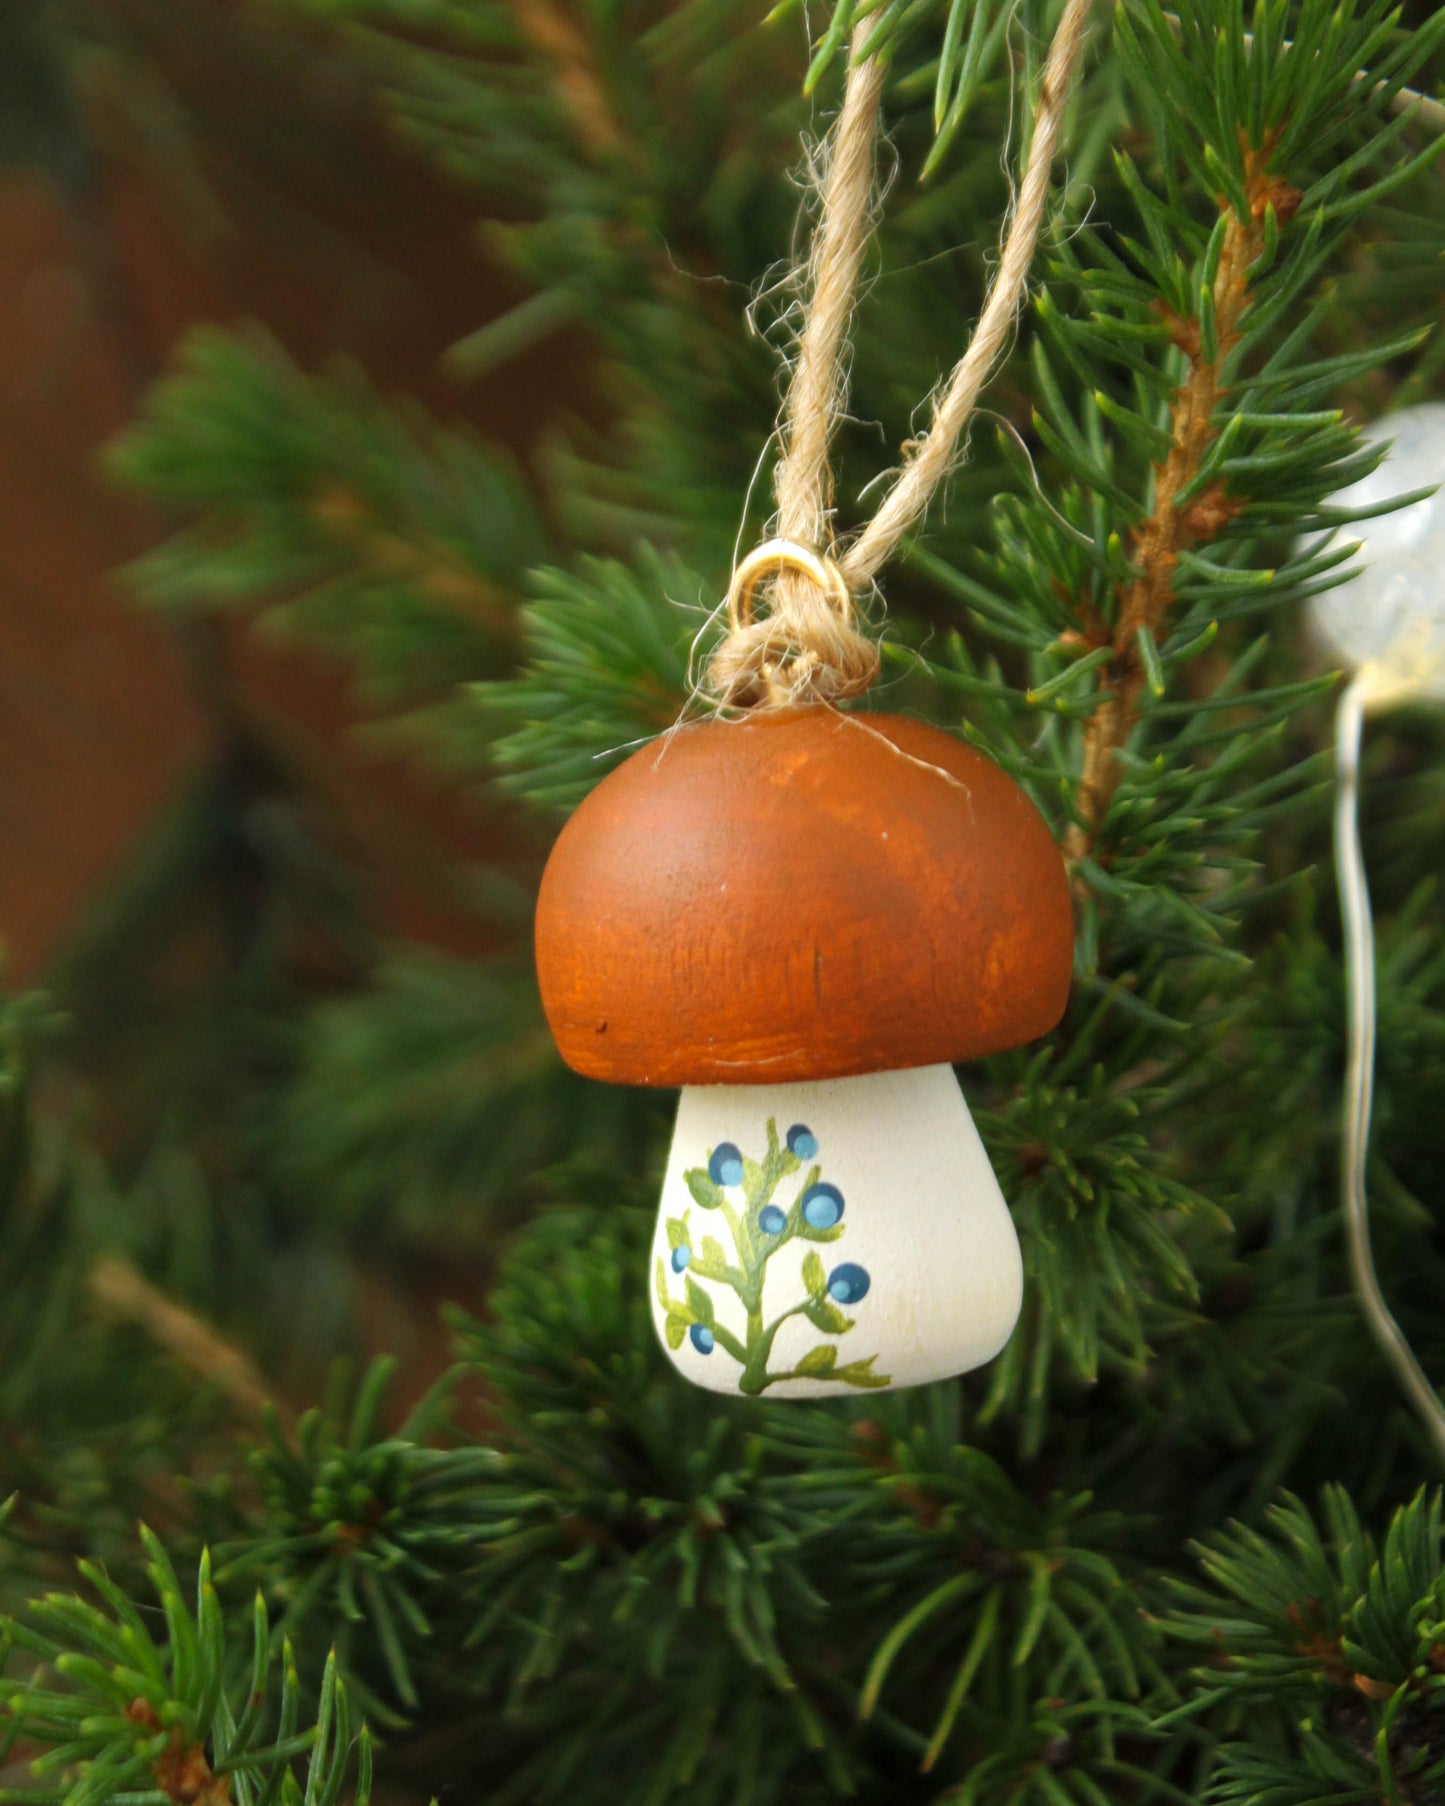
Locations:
(759, 1229)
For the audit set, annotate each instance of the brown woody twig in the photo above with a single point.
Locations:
(128, 1295)
(1175, 524)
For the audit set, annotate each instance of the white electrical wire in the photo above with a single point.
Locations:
(1359, 935)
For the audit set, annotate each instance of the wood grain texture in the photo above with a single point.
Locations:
(800, 895)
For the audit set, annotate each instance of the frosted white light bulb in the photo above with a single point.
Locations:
(831, 1236)
(1391, 613)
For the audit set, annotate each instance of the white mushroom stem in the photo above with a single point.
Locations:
(832, 1236)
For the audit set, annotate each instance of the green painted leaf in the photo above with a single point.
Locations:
(700, 1184)
(807, 1234)
(675, 1329)
(712, 1253)
(815, 1278)
(698, 1302)
(818, 1361)
(661, 1278)
(861, 1374)
(678, 1233)
(825, 1315)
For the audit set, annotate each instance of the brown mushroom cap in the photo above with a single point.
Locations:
(801, 895)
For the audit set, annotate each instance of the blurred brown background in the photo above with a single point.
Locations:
(200, 161)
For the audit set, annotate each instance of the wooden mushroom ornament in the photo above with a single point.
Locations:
(802, 917)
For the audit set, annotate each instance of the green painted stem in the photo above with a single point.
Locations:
(756, 1377)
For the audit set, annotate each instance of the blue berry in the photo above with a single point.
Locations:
(701, 1338)
(726, 1165)
(802, 1141)
(822, 1206)
(680, 1258)
(848, 1283)
(771, 1220)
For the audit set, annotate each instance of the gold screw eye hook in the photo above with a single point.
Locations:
(775, 555)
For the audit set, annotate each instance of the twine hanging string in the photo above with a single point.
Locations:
(809, 646)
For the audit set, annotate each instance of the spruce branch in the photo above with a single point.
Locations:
(592, 1498)
(1328, 1646)
(132, 1717)
(561, 39)
(644, 1555)
(1241, 448)
(884, 29)
(367, 527)
(606, 669)
(1185, 514)
(361, 1528)
(1110, 1232)
(91, 1410)
(1005, 1618)
(426, 1108)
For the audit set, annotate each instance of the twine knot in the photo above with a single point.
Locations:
(807, 647)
